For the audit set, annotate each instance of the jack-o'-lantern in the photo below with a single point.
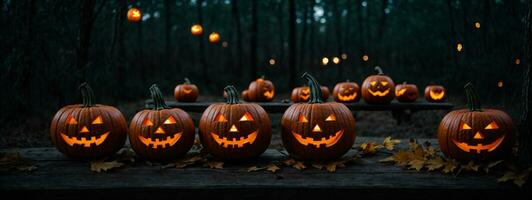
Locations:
(346, 92)
(435, 93)
(134, 15)
(378, 89)
(317, 130)
(302, 94)
(196, 30)
(475, 133)
(88, 130)
(161, 133)
(406, 92)
(234, 130)
(186, 92)
(260, 90)
(214, 37)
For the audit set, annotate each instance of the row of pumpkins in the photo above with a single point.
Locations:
(376, 89)
(313, 130)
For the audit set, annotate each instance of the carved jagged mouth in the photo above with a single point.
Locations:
(187, 91)
(347, 97)
(379, 93)
(84, 141)
(436, 96)
(269, 94)
(400, 92)
(155, 143)
(328, 142)
(223, 141)
(479, 147)
(304, 97)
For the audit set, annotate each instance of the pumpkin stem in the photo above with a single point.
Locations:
(87, 94)
(157, 97)
(315, 90)
(472, 98)
(232, 94)
(187, 81)
(379, 70)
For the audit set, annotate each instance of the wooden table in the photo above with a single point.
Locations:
(62, 177)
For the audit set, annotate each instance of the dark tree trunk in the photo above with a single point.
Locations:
(205, 69)
(118, 50)
(302, 41)
(292, 43)
(525, 133)
(338, 35)
(85, 30)
(382, 23)
(238, 33)
(453, 32)
(253, 41)
(168, 27)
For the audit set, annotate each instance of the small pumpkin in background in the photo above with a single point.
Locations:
(406, 92)
(134, 15)
(234, 130)
(317, 130)
(475, 133)
(346, 92)
(260, 90)
(435, 93)
(378, 89)
(161, 133)
(302, 94)
(186, 92)
(88, 130)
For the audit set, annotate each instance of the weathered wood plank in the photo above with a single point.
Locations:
(280, 107)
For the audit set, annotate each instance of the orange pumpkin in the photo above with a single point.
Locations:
(406, 92)
(435, 93)
(186, 92)
(134, 15)
(378, 89)
(346, 92)
(302, 94)
(260, 90)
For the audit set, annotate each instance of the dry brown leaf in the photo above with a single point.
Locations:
(317, 165)
(272, 168)
(413, 144)
(435, 163)
(102, 166)
(491, 165)
(471, 166)
(289, 162)
(369, 148)
(519, 178)
(416, 164)
(12, 160)
(215, 165)
(389, 143)
(255, 168)
(299, 165)
(332, 166)
(449, 166)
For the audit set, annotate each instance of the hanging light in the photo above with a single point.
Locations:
(500, 84)
(477, 25)
(459, 47)
(214, 37)
(134, 15)
(365, 57)
(336, 60)
(325, 61)
(271, 62)
(344, 56)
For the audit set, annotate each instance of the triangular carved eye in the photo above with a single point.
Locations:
(169, 120)
(302, 118)
(147, 122)
(98, 120)
(492, 125)
(246, 117)
(220, 118)
(71, 120)
(465, 126)
(384, 83)
(331, 118)
(372, 83)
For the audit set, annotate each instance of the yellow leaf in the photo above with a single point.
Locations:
(416, 164)
(255, 168)
(272, 168)
(299, 165)
(389, 143)
(449, 166)
(389, 159)
(434, 164)
(215, 165)
(101, 166)
(369, 148)
(289, 162)
(471, 166)
(402, 158)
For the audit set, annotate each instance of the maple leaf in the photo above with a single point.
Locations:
(449, 166)
(215, 165)
(299, 165)
(436, 163)
(289, 162)
(471, 166)
(389, 143)
(272, 168)
(255, 168)
(369, 148)
(416, 164)
(332, 166)
(102, 166)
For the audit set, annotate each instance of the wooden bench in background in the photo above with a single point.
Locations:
(400, 111)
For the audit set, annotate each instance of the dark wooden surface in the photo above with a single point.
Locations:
(280, 107)
(60, 176)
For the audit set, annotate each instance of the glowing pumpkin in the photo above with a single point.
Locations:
(302, 94)
(214, 37)
(234, 130)
(88, 130)
(186, 92)
(435, 93)
(134, 15)
(406, 92)
(196, 30)
(378, 89)
(260, 90)
(346, 92)
(475, 133)
(317, 130)
(161, 133)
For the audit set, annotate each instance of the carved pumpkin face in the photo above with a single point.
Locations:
(161, 133)
(378, 89)
(302, 94)
(88, 130)
(346, 92)
(476, 134)
(235, 130)
(406, 92)
(317, 130)
(186, 92)
(261, 90)
(435, 93)
(134, 15)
